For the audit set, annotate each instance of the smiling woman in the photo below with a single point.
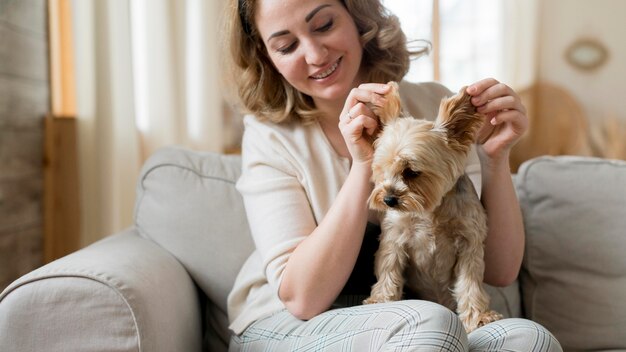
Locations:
(311, 73)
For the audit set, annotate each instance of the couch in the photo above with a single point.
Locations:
(162, 284)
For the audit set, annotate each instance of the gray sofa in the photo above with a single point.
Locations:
(162, 284)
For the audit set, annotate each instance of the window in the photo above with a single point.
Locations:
(469, 42)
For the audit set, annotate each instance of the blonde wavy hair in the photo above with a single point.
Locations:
(263, 91)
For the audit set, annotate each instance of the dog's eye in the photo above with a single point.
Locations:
(409, 174)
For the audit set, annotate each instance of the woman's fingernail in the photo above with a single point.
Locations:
(493, 121)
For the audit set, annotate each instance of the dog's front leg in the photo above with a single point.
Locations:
(390, 261)
(472, 299)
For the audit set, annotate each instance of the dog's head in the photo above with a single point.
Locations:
(416, 162)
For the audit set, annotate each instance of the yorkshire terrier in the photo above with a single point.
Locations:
(434, 225)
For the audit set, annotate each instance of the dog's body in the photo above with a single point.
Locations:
(434, 225)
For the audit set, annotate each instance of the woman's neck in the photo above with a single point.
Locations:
(330, 111)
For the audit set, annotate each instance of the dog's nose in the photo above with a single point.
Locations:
(391, 201)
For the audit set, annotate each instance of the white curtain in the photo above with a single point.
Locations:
(520, 42)
(147, 77)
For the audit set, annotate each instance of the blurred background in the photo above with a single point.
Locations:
(90, 88)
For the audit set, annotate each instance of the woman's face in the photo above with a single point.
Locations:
(314, 45)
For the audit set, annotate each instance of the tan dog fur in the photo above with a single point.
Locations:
(434, 225)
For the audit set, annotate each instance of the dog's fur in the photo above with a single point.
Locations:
(434, 225)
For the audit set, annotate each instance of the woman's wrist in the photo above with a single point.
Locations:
(362, 167)
(494, 164)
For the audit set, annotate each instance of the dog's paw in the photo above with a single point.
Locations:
(474, 321)
(376, 299)
(488, 317)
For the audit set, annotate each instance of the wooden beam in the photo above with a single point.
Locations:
(61, 180)
(61, 188)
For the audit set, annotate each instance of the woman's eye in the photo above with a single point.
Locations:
(325, 27)
(287, 49)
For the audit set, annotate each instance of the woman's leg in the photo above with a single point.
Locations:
(397, 326)
(513, 335)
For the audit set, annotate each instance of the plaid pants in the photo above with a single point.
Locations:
(409, 325)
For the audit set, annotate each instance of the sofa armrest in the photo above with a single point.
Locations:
(123, 293)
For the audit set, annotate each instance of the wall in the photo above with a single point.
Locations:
(24, 99)
(562, 22)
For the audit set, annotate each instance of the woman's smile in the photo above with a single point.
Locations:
(329, 71)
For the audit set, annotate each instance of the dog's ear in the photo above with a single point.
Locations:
(459, 118)
(392, 108)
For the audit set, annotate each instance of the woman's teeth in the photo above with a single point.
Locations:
(328, 72)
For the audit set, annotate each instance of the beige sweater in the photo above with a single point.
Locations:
(291, 175)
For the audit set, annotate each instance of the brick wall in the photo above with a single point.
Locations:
(24, 100)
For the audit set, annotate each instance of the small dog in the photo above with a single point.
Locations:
(434, 225)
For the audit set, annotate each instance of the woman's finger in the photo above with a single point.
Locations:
(515, 118)
(480, 86)
(356, 110)
(506, 102)
(371, 93)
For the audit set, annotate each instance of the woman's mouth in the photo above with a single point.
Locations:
(329, 71)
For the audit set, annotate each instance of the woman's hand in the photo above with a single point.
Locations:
(358, 123)
(506, 119)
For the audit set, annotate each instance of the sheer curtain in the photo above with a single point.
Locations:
(477, 39)
(146, 77)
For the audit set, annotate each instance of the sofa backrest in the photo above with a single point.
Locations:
(188, 204)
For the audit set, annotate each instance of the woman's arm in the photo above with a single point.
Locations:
(505, 123)
(504, 246)
(321, 264)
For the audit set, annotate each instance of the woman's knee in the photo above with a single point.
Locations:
(429, 314)
(514, 335)
(427, 323)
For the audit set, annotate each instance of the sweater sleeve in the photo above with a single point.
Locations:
(277, 207)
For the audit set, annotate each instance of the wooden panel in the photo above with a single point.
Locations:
(61, 188)
(61, 59)
(23, 249)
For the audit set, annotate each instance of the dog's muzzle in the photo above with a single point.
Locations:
(391, 201)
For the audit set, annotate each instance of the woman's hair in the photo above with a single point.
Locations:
(264, 92)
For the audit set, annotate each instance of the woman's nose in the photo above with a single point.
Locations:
(315, 53)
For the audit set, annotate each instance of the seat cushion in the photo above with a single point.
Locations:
(573, 277)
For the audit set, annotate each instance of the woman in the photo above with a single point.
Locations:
(306, 70)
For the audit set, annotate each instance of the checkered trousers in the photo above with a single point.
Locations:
(408, 325)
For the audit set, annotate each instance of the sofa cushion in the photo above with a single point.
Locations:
(188, 204)
(573, 277)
